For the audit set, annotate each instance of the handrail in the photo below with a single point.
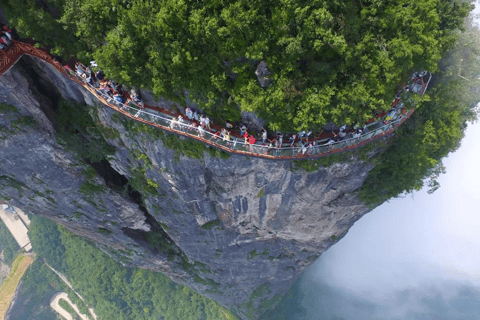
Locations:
(12, 54)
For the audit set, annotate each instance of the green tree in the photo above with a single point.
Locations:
(116, 292)
(337, 61)
(435, 129)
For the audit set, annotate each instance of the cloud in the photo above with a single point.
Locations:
(411, 258)
(443, 300)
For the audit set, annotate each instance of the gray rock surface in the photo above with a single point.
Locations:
(246, 226)
(262, 74)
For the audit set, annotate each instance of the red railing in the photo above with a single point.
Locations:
(151, 116)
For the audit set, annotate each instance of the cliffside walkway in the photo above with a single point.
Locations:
(152, 116)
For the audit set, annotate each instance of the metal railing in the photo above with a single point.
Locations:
(238, 145)
(233, 144)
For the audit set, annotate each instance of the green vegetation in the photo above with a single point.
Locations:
(206, 282)
(190, 148)
(27, 121)
(116, 292)
(182, 146)
(10, 284)
(252, 254)
(77, 214)
(186, 147)
(142, 184)
(256, 305)
(104, 231)
(89, 188)
(261, 193)
(7, 244)
(159, 241)
(45, 239)
(67, 307)
(435, 129)
(210, 224)
(17, 122)
(79, 133)
(33, 300)
(335, 61)
(6, 108)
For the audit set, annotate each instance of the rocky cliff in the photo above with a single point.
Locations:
(236, 229)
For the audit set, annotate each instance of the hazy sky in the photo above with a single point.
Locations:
(412, 258)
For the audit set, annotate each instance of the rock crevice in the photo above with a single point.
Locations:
(247, 223)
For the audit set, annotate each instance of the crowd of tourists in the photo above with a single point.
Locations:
(5, 37)
(195, 122)
(95, 77)
(303, 141)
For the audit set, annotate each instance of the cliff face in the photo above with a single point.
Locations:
(238, 230)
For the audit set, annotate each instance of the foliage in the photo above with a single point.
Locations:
(89, 188)
(182, 146)
(116, 292)
(191, 148)
(34, 19)
(256, 305)
(360, 153)
(33, 301)
(217, 153)
(6, 108)
(10, 284)
(77, 131)
(139, 182)
(67, 307)
(158, 240)
(261, 193)
(186, 147)
(434, 130)
(7, 244)
(252, 254)
(24, 121)
(335, 61)
(44, 237)
(104, 231)
(210, 224)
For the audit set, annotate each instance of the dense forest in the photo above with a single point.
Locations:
(115, 292)
(338, 61)
(414, 156)
(8, 245)
(34, 296)
(327, 60)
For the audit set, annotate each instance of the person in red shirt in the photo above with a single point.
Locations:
(245, 136)
(251, 141)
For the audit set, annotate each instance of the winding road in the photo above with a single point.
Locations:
(54, 303)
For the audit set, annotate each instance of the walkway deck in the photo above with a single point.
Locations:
(151, 116)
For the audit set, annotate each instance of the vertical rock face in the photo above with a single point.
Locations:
(238, 230)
